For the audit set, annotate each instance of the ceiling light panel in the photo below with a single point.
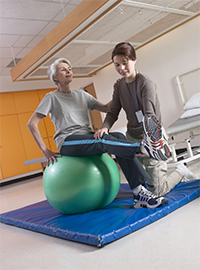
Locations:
(40, 73)
(107, 27)
(95, 51)
(82, 71)
(123, 23)
(83, 54)
(73, 52)
(124, 20)
(49, 62)
(135, 21)
(103, 59)
(155, 27)
(177, 4)
(193, 6)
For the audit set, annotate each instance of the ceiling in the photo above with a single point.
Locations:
(26, 25)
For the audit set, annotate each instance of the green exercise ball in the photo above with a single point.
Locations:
(74, 185)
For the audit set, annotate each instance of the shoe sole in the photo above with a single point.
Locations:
(139, 205)
(166, 155)
(151, 124)
(153, 131)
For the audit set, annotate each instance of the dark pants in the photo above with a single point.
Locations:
(115, 143)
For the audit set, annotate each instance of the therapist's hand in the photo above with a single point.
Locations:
(99, 133)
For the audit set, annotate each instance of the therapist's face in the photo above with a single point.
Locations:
(125, 67)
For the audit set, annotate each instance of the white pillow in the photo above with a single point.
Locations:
(190, 113)
(193, 102)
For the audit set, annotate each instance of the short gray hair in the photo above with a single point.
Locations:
(52, 69)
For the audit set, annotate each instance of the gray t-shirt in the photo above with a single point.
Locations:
(68, 112)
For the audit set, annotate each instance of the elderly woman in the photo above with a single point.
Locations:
(68, 111)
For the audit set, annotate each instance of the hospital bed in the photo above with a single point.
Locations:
(188, 124)
(188, 127)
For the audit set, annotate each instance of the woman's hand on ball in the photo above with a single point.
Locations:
(51, 156)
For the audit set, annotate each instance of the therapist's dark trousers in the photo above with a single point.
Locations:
(115, 143)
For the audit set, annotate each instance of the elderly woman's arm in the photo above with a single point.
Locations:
(33, 127)
(103, 107)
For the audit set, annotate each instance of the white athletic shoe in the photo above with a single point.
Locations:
(155, 147)
(147, 199)
(187, 174)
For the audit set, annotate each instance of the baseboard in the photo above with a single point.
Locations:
(6, 182)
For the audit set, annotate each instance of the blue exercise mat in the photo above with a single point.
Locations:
(101, 226)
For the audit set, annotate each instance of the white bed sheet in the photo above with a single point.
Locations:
(183, 125)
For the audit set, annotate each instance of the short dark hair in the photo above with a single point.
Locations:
(124, 49)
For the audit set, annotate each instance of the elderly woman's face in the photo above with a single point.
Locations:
(64, 73)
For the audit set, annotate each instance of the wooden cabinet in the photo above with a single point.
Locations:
(95, 116)
(12, 151)
(16, 142)
(26, 101)
(52, 144)
(42, 93)
(7, 104)
(1, 175)
(50, 129)
(31, 149)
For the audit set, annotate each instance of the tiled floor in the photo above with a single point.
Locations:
(171, 243)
